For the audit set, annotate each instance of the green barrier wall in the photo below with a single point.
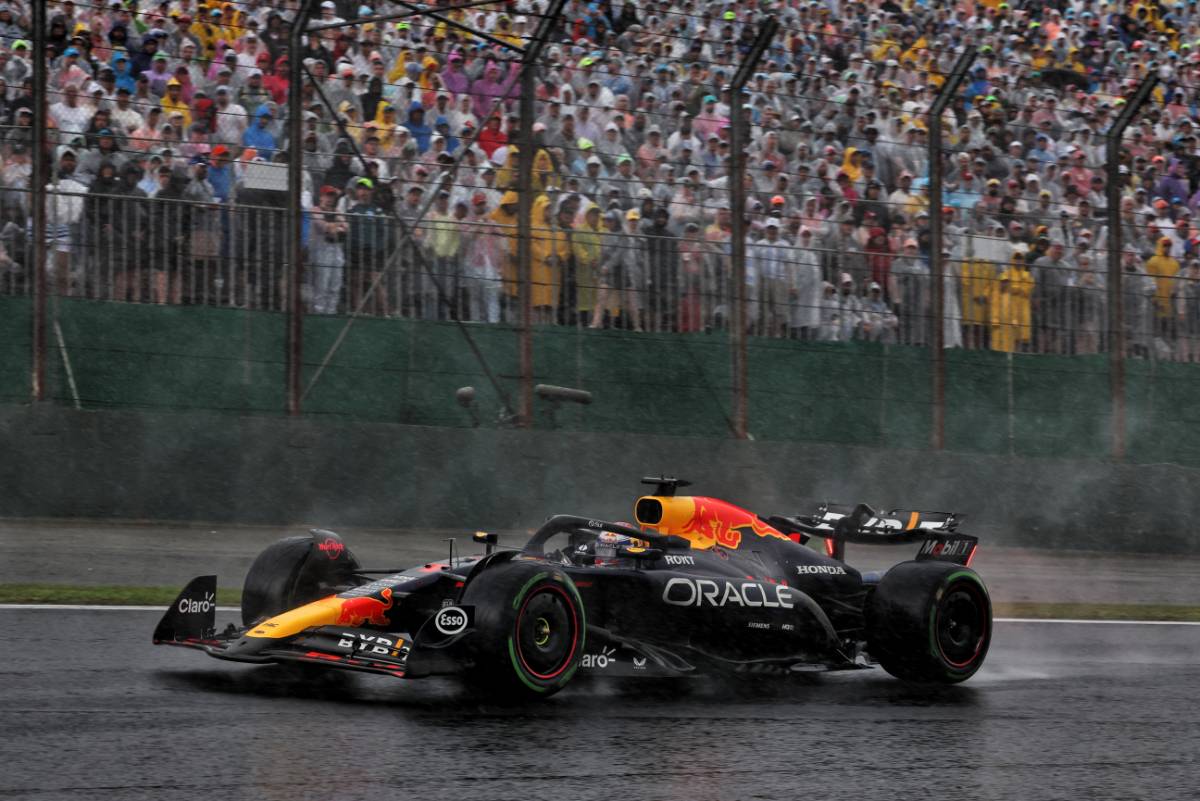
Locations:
(15, 355)
(140, 356)
(180, 358)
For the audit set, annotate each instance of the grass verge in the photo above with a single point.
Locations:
(101, 594)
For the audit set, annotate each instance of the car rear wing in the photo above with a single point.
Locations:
(839, 524)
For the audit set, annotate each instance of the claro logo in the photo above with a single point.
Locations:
(190, 606)
(706, 592)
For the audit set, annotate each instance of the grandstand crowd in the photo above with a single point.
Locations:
(168, 121)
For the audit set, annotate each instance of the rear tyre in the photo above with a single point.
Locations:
(295, 571)
(929, 622)
(530, 629)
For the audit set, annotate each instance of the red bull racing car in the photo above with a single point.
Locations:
(697, 586)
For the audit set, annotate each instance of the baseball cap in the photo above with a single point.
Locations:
(365, 182)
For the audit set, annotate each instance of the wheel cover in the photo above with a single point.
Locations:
(547, 632)
(961, 624)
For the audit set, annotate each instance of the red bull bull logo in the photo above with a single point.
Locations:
(707, 522)
(366, 611)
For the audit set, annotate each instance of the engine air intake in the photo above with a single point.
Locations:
(649, 511)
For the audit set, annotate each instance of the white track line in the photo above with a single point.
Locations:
(99, 608)
(1061, 621)
(1098, 622)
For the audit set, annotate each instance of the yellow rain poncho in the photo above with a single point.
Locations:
(549, 253)
(508, 234)
(849, 167)
(585, 245)
(1012, 315)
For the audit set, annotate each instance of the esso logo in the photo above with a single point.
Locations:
(450, 621)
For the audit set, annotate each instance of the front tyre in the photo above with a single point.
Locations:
(294, 571)
(930, 622)
(530, 628)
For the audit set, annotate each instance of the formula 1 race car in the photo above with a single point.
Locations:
(698, 586)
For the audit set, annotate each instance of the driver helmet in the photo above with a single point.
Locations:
(608, 545)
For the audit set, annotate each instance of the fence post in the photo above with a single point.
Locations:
(407, 231)
(38, 179)
(936, 267)
(295, 214)
(737, 250)
(1116, 300)
(525, 192)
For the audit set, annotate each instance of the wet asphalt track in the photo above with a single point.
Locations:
(90, 710)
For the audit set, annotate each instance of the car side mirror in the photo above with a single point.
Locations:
(644, 554)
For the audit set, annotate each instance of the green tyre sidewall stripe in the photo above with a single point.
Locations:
(512, 650)
(934, 650)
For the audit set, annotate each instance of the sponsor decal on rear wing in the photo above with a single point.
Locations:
(957, 549)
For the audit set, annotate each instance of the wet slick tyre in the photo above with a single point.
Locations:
(530, 629)
(294, 571)
(930, 622)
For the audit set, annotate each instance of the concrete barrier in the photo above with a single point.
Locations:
(195, 467)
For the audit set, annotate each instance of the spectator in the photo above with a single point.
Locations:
(259, 135)
(63, 214)
(1187, 304)
(849, 311)
(806, 291)
(1163, 268)
(549, 250)
(169, 240)
(603, 242)
(1139, 296)
(444, 250)
(102, 213)
(482, 267)
(878, 321)
(1091, 305)
(772, 277)
(327, 252)
(662, 262)
(129, 235)
(368, 244)
(1011, 307)
(909, 292)
(634, 112)
(586, 249)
